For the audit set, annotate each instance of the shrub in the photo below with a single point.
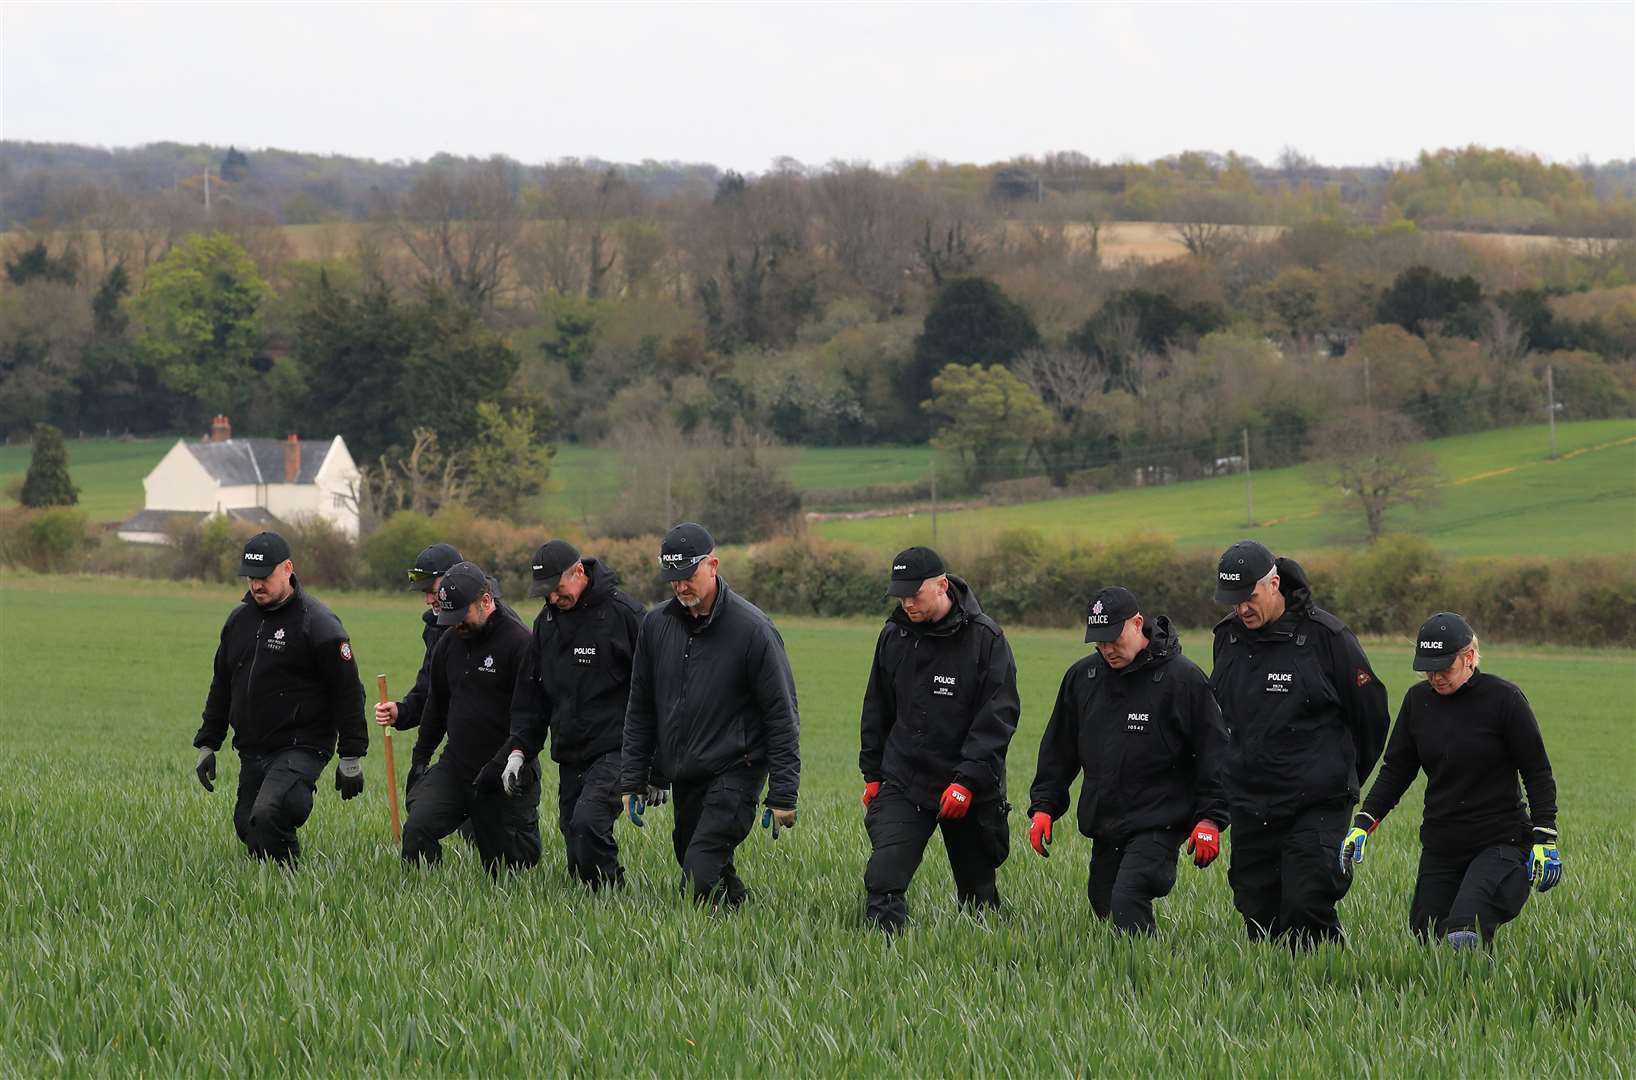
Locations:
(58, 536)
(208, 552)
(391, 549)
(323, 555)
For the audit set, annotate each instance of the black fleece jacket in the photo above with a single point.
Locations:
(1472, 744)
(473, 678)
(1148, 737)
(941, 703)
(577, 677)
(710, 694)
(284, 676)
(1306, 715)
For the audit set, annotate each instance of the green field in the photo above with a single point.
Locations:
(136, 938)
(1501, 495)
(108, 472)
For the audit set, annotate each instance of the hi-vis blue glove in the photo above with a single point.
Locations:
(1353, 844)
(779, 819)
(634, 805)
(1545, 861)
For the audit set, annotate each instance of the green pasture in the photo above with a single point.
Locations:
(108, 472)
(135, 937)
(1501, 494)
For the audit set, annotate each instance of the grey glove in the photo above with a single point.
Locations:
(511, 776)
(206, 768)
(349, 778)
(656, 795)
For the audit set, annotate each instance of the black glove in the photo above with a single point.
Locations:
(206, 768)
(489, 778)
(417, 771)
(349, 778)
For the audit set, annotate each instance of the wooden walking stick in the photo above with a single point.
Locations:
(391, 769)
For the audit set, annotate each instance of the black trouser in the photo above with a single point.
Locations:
(587, 806)
(506, 827)
(409, 794)
(899, 831)
(1127, 877)
(1474, 892)
(275, 799)
(713, 817)
(1286, 875)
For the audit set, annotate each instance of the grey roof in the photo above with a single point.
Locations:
(257, 461)
(156, 521)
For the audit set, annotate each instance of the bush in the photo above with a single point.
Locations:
(636, 561)
(323, 555)
(811, 577)
(58, 535)
(390, 550)
(209, 552)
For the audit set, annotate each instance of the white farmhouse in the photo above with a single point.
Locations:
(259, 481)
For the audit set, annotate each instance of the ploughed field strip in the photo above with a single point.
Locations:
(135, 936)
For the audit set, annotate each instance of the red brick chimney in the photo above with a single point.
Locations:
(292, 459)
(221, 429)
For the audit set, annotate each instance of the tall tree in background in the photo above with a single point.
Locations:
(1372, 459)
(461, 227)
(48, 482)
(201, 311)
(971, 321)
(985, 411)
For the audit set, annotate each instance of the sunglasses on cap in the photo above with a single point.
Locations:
(419, 576)
(690, 563)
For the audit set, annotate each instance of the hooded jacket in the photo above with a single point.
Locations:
(1306, 715)
(285, 677)
(473, 677)
(710, 694)
(576, 679)
(941, 703)
(1148, 737)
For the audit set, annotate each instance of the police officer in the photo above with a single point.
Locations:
(430, 566)
(287, 684)
(1480, 847)
(1137, 717)
(939, 711)
(712, 707)
(1306, 719)
(474, 671)
(575, 683)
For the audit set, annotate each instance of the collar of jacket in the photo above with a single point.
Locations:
(678, 610)
(599, 583)
(964, 608)
(429, 617)
(1163, 643)
(295, 594)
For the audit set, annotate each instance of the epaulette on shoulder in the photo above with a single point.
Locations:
(628, 603)
(989, 624)
(322, 624)
(1326, 620)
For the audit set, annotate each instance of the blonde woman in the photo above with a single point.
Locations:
(1481, 847)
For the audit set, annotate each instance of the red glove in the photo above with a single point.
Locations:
(870, 790)
(956, 801)
(1039, 833)
(1205, 843)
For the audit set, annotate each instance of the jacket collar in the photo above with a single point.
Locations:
(678, 610)
(963, 609)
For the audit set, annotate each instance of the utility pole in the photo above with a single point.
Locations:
(934, 497)
(1550, 406)
(1368, 402)
(1249, 487)
(207, 191)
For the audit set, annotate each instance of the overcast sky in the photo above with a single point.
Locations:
(741, 84)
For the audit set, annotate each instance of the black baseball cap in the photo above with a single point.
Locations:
(683, 549)
(1241, 566)
(550, 563)
(1105, 615)
(462, 586)
(432, 564)
(911, 567)
(1442, 638)
(262, 554)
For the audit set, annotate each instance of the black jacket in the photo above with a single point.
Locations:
(410, 708)
(708, 694)
(1148, 737)
(941, 704)
(470, 698)
(1472, 745)
(1306, 715)
(577, 677)
(285, 677)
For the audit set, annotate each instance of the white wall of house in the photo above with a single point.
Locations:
(179, 482)
(336, 485)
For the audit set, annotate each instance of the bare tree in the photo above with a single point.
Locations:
(460, 228)
(864, 223)
(1063, 378)
(947, 250)
(1371, 459)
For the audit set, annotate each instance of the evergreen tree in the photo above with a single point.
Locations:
(48, 482)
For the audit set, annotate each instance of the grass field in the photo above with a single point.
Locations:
(108, 472)
(136, 938)
(1501, 494)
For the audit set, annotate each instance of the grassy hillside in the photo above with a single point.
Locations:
(1502, 495)
(109, 473)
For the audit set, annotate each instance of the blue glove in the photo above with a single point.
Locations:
(779, 819)
(1356, 839)
(1545, 861)
(634, 807)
